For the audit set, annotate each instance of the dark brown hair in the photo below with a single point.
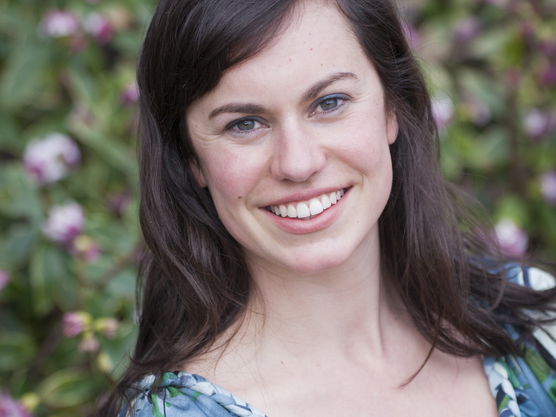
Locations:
(194, 280)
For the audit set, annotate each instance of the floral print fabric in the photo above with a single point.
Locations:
(185, 395)
(526, 386)
(522, 386)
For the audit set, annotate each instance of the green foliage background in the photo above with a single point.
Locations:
(489, 67)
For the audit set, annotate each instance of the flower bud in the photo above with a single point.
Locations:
(75, 323)
(536, 123)
(108, 326)
(130, 94)
(10, 407)
(4, 279)
(548, 186)
(60, 24)
(64, 223)
(89, 343)
(512, 239)
(442, 110)
(51, 158)
(99, 27)
(85, 248)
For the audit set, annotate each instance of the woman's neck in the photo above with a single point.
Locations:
(346, 311)
(349, 314)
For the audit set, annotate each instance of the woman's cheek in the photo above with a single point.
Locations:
(233, 174)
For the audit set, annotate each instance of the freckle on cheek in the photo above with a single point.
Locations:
(239, 197)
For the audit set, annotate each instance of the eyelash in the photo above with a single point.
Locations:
(233, 126)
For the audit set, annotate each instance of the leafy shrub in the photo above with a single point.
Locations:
(69, 237)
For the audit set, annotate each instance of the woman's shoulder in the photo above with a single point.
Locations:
(180, 394)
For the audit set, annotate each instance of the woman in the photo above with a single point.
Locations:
(303, 249)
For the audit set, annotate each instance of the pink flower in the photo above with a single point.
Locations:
(536, 123)
(118, 203)
(130, 94)
(49, 159)
(413, 37)
(64, 223)
(548, 47)
(85, 247)
(109, 326)
(548, 76)
(478, 111)
(9, 407)
(467, 29)
(512, 239)
(442, 110)
(548, 186)
(99, 27)
(89, 344)
(74, 323)
(60, 23)
(4, 279)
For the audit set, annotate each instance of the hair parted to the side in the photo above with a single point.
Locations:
(194, 281)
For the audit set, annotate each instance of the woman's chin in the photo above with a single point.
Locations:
(311, 263)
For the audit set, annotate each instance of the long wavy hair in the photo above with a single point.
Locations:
(194, 282)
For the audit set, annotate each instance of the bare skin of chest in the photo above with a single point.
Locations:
(458, 390)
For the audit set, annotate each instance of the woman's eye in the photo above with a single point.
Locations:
(246, 125)
(330, 104)
(243, 126)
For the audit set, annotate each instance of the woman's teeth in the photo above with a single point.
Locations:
(305, 209)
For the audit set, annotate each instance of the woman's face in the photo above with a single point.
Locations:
(287, 133)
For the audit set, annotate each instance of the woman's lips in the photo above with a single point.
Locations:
(308, 208)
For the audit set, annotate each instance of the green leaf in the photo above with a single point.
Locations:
(16, 350)
(17, 247)
(23, 74)
(514, 208)
(490, 44)
(108, 149)
(484, 89)
(68, 388)
(489, 149)
(83, 86)
(51, 280)
(18, 195)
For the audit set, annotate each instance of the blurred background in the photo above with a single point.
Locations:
(69, 237)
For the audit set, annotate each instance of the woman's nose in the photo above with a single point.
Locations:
(297, 154)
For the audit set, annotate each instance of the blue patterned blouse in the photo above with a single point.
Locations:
(522, 386)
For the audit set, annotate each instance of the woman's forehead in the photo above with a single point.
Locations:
(316, 43)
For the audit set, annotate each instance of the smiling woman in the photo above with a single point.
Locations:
(278, 143)
(303, 250)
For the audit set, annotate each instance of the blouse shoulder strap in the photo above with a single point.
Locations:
(181, 394)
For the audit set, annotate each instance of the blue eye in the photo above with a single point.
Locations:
(244, 126)
(247, 124)
(330, 103)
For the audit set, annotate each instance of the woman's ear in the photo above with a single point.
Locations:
(198, 173)
(391, 126)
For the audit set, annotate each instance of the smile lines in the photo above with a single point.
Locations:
(305, 209)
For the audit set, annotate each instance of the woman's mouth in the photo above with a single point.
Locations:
(307, 209)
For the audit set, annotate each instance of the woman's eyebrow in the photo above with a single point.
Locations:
(315, 90)
(311, 93)
(237, 108)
